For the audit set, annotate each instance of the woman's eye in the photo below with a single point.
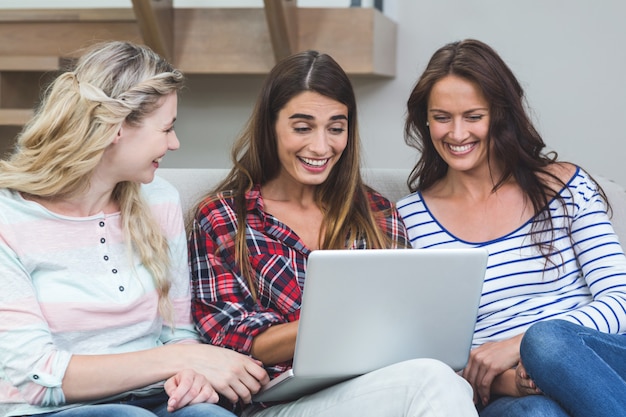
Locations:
(441, 119)
(337, 130)
(475, 117)
(301, 129)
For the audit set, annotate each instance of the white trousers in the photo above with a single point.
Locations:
(415, 388)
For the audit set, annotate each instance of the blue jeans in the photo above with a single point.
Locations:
(529, 406)
(582, 369)
(155, 405)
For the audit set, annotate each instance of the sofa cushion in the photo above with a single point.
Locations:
(193, 183)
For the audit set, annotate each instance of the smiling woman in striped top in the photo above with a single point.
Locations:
(484, 180)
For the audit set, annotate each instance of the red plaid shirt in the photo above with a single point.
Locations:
(222, 305)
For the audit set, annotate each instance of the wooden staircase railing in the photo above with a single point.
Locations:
(207, 41)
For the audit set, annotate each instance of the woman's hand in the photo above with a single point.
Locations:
(488, 361)
(523, 383)
(233, 375)
(188, 387)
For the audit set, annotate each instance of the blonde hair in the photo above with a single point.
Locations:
(78, 118)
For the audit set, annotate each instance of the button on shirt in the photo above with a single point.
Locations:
(222, 304)
(69, 287)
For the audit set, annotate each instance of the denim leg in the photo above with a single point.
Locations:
(102, 410)
(581, 368)
(529, 406)
(194, 410)
(150, 406)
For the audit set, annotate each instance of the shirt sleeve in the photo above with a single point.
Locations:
(32, 366)
(223, 308)
(601, 259)
(166, 206)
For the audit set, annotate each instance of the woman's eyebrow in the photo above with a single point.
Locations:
(309, 117)
(301, 116)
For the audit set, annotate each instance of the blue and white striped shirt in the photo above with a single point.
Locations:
(585, 285)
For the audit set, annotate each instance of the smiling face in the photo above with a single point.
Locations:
(138, 150)
(458, 117)
(311, 134)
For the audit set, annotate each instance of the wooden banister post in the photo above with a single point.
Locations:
(282, 21)
(156, 24)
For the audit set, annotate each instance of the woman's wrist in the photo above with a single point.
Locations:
(504, 384)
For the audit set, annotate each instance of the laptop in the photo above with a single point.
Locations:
(365, 309)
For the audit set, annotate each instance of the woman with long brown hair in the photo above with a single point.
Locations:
(484, 179)
(296, 187)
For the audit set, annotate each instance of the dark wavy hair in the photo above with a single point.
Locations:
(513, 141)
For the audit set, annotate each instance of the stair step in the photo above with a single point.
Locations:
(15, 117)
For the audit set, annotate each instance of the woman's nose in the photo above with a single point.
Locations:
(458, 131)
(319, 142)
(173, 142)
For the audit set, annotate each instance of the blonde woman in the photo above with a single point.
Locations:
(93, 264)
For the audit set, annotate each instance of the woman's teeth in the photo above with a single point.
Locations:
(461, 148)
(315, 162)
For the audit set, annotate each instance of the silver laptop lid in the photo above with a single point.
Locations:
(366, 309)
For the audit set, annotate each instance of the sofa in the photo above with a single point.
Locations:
(192, 183)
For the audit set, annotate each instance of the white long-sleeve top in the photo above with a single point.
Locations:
(585, 284)
(71, 286)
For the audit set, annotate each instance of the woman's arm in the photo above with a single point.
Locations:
(231, 374)
(223, 308)
(276, 344)
(46, 375)
(601, 259)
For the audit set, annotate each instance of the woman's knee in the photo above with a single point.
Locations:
(426, 367)
(547, 336)
(434, 373)
(546, 344)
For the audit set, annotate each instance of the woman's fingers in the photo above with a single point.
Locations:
(189, 387)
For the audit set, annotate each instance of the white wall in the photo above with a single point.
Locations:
(570, 56)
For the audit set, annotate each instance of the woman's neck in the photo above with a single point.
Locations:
(472, 185)
(291, 192)
(85, 204)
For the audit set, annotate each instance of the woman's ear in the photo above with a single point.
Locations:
(118, 135)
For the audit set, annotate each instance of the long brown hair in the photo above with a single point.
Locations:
(342, 197)
(513, 141)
